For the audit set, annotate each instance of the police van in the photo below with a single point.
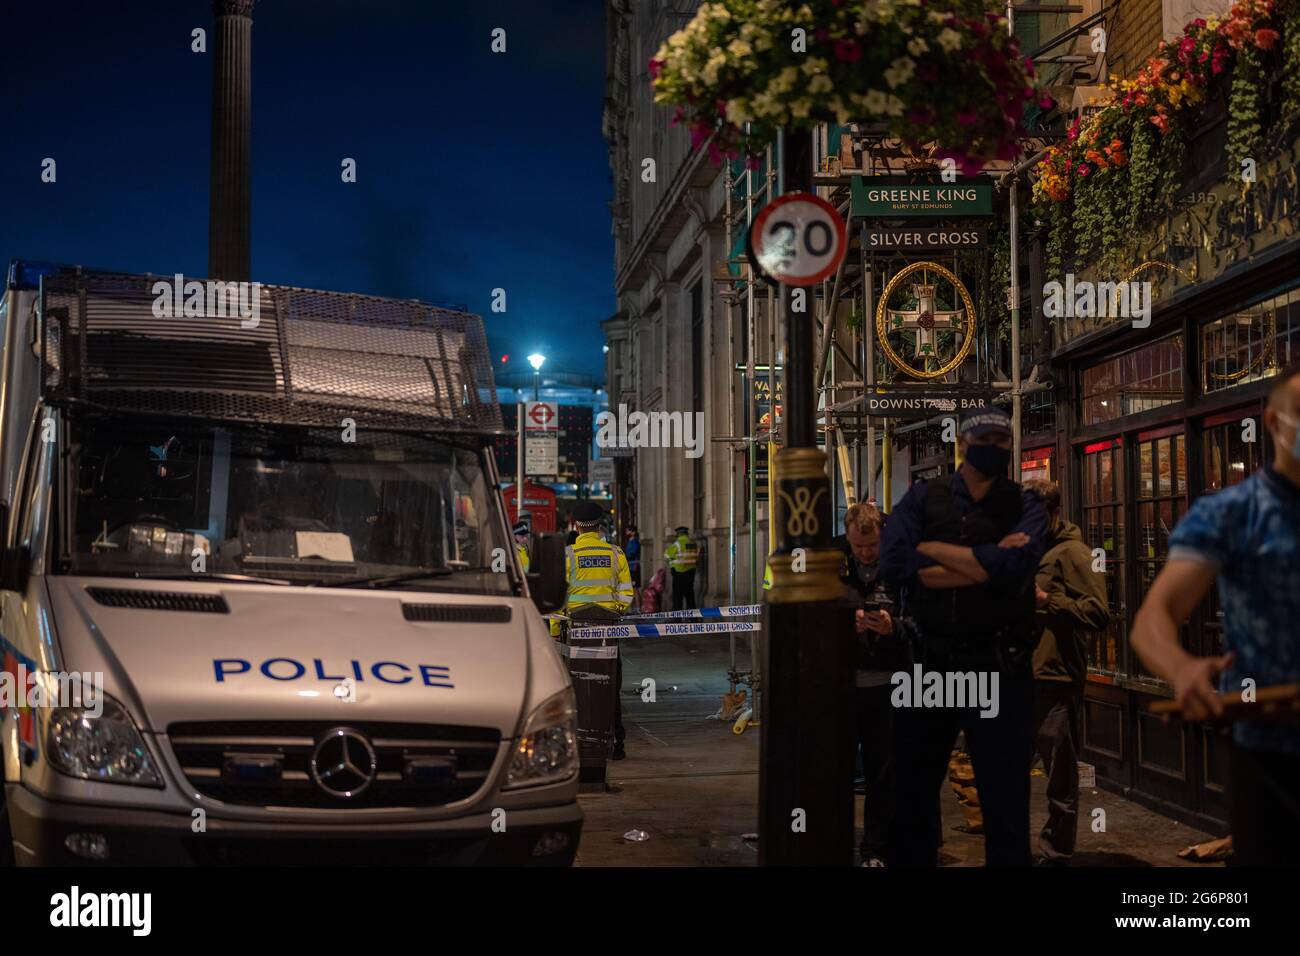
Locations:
(270, 543)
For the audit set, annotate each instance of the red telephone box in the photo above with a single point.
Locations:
(539, 503)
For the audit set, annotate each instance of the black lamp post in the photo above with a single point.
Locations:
(808, 732)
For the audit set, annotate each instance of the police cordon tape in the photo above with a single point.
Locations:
(661, 630)
(735, 610)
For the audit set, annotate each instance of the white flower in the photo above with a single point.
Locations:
(821, 83)
(738, 112)
(936, 17)
(763, 105)
(800, 108)
(814, 65)
(917, 46)
(893, 105)
(899, 72)
(739, 49)
(711, 68)
(874, 101)
(784, 81)
(949, 39)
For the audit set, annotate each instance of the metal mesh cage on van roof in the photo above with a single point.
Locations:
(263, 353)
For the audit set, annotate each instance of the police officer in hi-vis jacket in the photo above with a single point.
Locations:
(599, 578)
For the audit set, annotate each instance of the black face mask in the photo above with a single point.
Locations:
(989, 460)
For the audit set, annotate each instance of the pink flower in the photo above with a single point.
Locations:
(1045, 100)
(920, 116)
(967, 116)
(848, 51)
(1083, 169)
(699, 133)
(927, 72)
(655, 67)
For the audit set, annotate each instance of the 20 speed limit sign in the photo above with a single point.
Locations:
(798, 239)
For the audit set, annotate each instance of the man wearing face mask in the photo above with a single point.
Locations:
(963, 549)
(1248, 536)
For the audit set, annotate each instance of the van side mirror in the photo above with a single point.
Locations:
(14, 562)
(547, 581)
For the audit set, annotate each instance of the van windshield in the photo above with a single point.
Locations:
(308, 506)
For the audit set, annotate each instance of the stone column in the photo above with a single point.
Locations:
(230, 196)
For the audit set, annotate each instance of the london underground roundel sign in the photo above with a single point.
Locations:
(798, 239)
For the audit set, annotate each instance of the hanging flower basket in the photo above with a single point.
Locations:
(950, 75)
(1176, 77)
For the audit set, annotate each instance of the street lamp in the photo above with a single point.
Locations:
(536, 360)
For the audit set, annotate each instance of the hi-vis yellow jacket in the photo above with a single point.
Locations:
(682, 554)
(523, 556)
(598, 574)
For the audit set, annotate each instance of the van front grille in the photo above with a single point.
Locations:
(269, 763)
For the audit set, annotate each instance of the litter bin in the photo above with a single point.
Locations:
(593, 665)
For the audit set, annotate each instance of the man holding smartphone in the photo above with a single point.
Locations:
(879, 655)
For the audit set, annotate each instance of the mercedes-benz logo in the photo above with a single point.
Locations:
(343, 763)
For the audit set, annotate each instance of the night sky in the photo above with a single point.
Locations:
(475, 170)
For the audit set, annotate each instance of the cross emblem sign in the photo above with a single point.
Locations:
(925, 319)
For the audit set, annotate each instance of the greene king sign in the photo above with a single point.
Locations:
(889, 196)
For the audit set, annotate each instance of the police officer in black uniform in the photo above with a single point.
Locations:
(963, 550)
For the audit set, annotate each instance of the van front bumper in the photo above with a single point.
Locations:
(537, 836)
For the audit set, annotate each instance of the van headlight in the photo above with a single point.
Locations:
(100, 744)
(547, 750)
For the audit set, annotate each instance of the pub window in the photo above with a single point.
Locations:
(1039, 411)
(1036, 463)
(1251, 344)
(1226, 460)
(1103, 527)
(1136, 381)
(1161, 502)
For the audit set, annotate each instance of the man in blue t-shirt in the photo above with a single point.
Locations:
(1249, 537)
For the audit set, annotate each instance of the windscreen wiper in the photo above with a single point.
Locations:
(384, 580)
(207, 576)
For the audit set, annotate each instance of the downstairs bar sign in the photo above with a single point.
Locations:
(908, 402)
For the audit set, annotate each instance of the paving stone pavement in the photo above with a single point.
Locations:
(692, 784)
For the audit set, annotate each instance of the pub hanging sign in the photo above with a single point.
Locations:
(886, 197)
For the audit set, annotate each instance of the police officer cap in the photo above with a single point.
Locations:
(587, 512)
(683, 530)
(521, 527)
(985, 419)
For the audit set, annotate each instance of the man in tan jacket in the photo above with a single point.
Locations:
(1071, 599)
